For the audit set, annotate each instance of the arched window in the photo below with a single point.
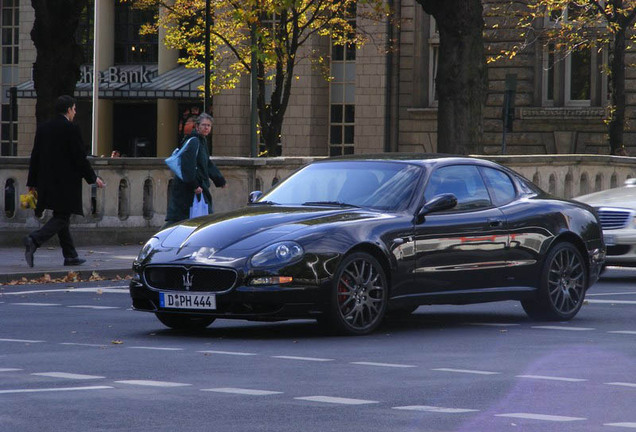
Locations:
(123, 201)
(584, 187)
(9, 198)
(552, 184)
(598, 182)
(148, 200)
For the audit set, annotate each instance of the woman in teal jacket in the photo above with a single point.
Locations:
(198, 170)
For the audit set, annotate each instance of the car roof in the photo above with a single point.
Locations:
(422, 159)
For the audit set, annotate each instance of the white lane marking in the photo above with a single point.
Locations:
(435, 409)
(545, 417)
(622, 384)
(155, 348)
(36, 304)
(110, 290)
(336, 400)
(627, 302)
(93, 307)
(563, 328)
(118, 290)
(82, 344)
(21, 340)
(9, 370)
(393, 365)
(55, 389)
(625, 425)
(494, 324)
(468, 371)
(150, 383)
(629, 332)
(609, 294)
(236, 353)
(315, 359)
(242, 391)
(551, 378)
(67, 375)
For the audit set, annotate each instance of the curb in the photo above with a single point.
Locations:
(83, 275)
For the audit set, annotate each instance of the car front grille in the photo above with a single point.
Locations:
(613, 218)
(182, 278)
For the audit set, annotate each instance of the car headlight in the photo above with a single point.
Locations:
(278, 254)
(148, 247)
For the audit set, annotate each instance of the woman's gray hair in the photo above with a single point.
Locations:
(204, 116)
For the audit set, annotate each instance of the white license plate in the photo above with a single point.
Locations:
(609, 240)
(183, 300)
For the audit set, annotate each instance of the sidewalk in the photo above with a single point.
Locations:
(107, 261)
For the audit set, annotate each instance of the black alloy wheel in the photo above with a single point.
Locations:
(359, 295)
(184, 322)
(563, 284)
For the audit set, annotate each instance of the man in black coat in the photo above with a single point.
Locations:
(58, 164)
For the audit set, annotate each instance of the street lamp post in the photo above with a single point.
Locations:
(206, 96)
(96, 31)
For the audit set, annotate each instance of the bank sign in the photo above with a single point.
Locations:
(117, 75)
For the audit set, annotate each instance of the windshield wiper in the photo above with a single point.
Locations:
(329, 203)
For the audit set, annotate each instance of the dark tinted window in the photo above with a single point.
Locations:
(463, 181)
(501, 186)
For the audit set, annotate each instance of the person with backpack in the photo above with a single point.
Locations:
(197, 170)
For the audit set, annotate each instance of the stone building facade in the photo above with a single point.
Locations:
(378, 100)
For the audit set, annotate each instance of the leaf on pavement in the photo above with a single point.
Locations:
(95, 277)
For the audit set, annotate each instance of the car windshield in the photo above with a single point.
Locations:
(373, 184)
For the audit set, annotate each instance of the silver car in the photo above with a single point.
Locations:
(617, 211)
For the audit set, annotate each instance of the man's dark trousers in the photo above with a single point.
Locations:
(59, 224)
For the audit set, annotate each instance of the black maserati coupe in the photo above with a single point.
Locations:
(348, 241)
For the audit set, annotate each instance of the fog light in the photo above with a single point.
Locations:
(271, 280)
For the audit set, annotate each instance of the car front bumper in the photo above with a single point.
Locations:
(243, 302)
(621, 247)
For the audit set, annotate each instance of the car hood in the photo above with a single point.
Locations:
(255, 227)
(622, 197)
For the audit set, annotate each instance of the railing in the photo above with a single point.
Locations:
(136, 196)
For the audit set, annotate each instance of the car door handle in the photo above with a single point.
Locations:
(495, 223)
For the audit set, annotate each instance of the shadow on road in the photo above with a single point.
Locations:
(420, 321)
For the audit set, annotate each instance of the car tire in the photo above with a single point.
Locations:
(359, 295)
(562, 286)
(184, 322)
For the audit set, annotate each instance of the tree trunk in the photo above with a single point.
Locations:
(461, 74)
(272, 112)
(59, 57)
(616, 127)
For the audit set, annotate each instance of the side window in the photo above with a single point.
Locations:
(502, 188)
(463, 181)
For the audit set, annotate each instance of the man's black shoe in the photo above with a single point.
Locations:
(74, 261)
(30, 250)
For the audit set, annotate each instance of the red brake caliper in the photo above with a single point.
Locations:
(342, 292)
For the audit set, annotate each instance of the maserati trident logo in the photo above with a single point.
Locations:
(187, 280)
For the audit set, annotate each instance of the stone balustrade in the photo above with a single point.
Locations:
(133, 204)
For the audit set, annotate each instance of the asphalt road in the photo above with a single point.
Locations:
(76, 358)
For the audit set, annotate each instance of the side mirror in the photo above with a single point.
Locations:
(254, 196)
(438, 203)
